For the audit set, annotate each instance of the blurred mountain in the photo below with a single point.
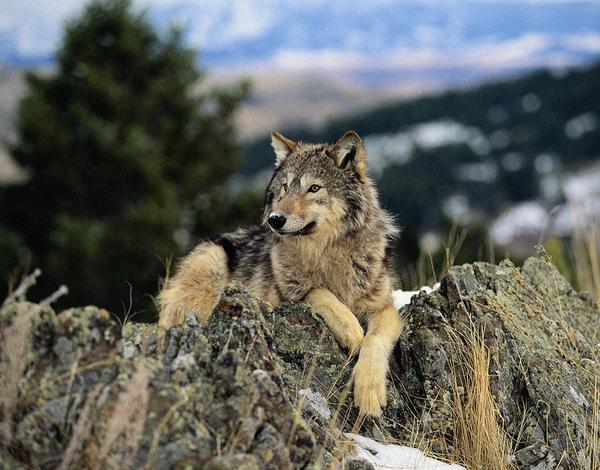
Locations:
(375, 42)
(285, 99)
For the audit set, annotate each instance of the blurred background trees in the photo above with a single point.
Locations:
(125, 160)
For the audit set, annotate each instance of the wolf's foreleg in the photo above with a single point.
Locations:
(196, 286)
(341, 321)
(370, 372)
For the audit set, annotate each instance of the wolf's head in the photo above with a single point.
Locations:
(320, 189)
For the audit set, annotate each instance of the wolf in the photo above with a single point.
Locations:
(324, 240)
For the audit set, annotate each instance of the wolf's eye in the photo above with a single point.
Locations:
(284, 187)
(314, 188)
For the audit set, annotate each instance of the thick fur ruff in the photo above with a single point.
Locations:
(324, 240)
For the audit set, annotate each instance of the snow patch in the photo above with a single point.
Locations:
(513, 161)
(392, 456)
(384, 149)
(531, 222)
(578, 397)
(581, 186)
(480, 172)
(527, 219)
(457, 207)
(403, 297)
(531, 103)
(581, 124)
(316, 401)
(184, 361)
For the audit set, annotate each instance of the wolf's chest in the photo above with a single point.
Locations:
(335, 270)
(331, 272)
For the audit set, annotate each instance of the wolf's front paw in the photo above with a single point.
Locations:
(350, 334)
(370, 394)
(169, 315)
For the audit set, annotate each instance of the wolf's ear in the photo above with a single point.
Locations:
(349, 152)
(282, 146)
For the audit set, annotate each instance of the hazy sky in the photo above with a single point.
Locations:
(326, 33)
(37, 24)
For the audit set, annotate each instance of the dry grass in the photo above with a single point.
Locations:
(126, 422)
(429, 267)
(81, 430)
(585, 246)
(479, 439)
(592, 447)
(579, 260)
(16, 346)
(129, 414)
(128, 313)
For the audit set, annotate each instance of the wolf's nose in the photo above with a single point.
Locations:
(276, 221)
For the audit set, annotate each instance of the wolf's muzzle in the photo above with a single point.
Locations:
(276, 220)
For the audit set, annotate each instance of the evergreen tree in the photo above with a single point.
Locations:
(124, 156)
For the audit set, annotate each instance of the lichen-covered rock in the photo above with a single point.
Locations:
(269, 388)
(215, 395)
(543, 341)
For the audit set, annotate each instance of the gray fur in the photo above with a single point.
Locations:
(365, 234)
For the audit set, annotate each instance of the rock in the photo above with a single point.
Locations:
(542, 338)
(269, 388)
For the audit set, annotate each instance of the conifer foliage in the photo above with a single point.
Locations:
(124, 156)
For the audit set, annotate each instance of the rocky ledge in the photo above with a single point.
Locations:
(268, 388)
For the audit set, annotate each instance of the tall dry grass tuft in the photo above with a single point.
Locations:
(16, 346)
(585, 246)
(479, 440)
(431, 267)
(127, 421)
(592, 437)
(81, 430)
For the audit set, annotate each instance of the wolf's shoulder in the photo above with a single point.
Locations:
(245, 235)
(245, 245)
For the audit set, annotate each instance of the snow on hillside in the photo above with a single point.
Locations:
(385, 149)
(392, 456)
(529, 219)
(403, 297)
(532, 222)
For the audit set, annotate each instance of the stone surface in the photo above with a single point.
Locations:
(268, 388)
(543, 339)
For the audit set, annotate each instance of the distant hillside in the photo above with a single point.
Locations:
(295, 99)
(468, 154)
